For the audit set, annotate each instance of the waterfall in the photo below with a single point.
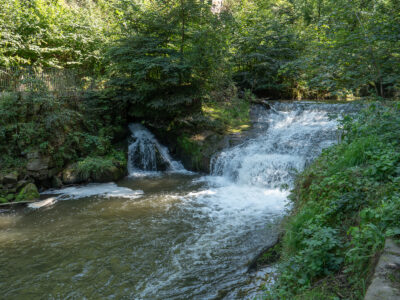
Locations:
(145, 153)
(290, 136)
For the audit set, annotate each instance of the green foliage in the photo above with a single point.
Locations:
(230, 116)
(34, 120)
(351, 48)
(346, 202)
(102, 168)
(191, 148)
(316, 256)
(264, 42)
(318, 49)
(93, 166)
(271, 256)
(55, 126)
(53, 33)
(163, 65)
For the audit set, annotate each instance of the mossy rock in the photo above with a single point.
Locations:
(28, 193)
(10, 197)
(112, 173)
(70, 174)
(3, 200)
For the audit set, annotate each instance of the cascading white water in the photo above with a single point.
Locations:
(243, 198)
(294, 134)
(145, 153)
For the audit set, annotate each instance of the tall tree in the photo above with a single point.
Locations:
(161, 68)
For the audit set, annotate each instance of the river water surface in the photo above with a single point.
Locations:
(167, 235)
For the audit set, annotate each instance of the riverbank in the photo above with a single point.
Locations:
(47, 141)
(345, 204)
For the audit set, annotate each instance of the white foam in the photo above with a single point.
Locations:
(42, 203)
(109, 190)
(145, 152)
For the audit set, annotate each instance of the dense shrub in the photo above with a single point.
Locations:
(62, 128)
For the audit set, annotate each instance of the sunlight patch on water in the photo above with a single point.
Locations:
(8, 220)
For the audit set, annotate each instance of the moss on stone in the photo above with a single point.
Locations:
(233, 115)
(191, 148)
(28, 192)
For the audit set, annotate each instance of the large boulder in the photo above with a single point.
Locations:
(40, 167)
(28, 192)
(21, 184)
(112, 173)
(196, 151)
(70, 175)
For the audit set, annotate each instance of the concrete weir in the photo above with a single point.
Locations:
(386, 280)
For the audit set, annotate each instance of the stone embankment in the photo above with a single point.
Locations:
(386, 279)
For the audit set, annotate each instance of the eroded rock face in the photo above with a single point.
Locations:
(11, 178)
(40, 168)
(70, 175)
(38, 164)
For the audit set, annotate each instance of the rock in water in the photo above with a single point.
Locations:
(28, 192)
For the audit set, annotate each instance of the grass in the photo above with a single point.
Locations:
(233, 115)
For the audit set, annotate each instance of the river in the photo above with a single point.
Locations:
(172, 234)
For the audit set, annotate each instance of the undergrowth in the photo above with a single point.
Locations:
(95, 167)
(65, 129)
(345, 205)
(233, 115)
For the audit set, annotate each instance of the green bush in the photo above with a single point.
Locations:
(101, 168)
(93, 167)
(58, 127)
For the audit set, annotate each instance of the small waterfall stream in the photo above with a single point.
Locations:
(145, 153)
(168, 235)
